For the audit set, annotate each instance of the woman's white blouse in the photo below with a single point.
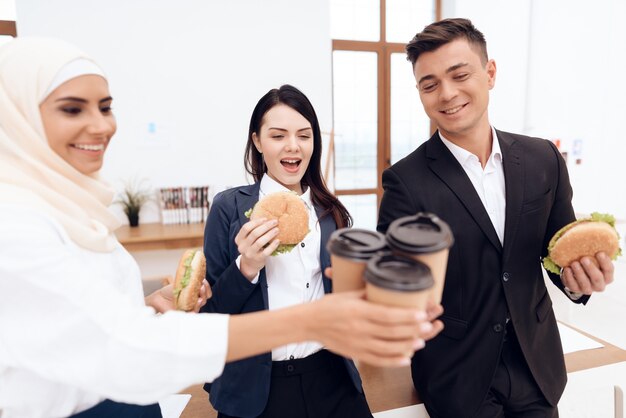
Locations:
(74, 328)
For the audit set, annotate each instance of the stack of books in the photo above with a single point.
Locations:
(184, 205)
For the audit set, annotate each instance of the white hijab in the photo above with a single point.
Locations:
(31, 173)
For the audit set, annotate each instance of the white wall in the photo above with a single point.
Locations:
(7, 9)
(7, 12)
(559, 77)
(195, 69)
(578, 93)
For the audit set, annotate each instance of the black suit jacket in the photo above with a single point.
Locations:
(486, 281)
(243, 388)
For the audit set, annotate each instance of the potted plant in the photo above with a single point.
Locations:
(132, 198)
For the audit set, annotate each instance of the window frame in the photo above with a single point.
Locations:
(384, 50)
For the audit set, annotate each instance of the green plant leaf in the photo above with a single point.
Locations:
(551, 266)
(134, 196)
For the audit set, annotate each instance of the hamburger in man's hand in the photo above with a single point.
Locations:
(585, 237)
(290, 212)
(189, 276)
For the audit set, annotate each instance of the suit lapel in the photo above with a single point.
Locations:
(327, 226)
(448, 169)
(247, 196)
(513, 164)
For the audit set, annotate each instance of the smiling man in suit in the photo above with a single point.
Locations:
(504, 195)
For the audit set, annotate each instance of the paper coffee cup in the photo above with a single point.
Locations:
(426, 238)
(350, 249)
(398, 280)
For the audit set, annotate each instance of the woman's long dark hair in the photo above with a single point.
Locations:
(253, 159)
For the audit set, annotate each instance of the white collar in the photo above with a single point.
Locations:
(463, 155)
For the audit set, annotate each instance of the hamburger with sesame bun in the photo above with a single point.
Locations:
(290, 212)
(585, 237)
(189, 276)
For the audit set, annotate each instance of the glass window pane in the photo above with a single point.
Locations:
(355, 84)
(363, 210)
(410, 126)
(356, 20)
(407, 17)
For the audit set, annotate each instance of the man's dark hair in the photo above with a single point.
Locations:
(440, 33)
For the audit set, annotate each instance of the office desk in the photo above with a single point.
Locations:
(155, 236)
(588, 359)
(387, 388)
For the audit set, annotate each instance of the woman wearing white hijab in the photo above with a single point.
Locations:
(75, 334)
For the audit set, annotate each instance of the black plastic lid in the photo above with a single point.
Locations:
(398, 272)
(421, 233)
(361, 244)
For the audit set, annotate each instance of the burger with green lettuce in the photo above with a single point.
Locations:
(189, 276)
(585, 237)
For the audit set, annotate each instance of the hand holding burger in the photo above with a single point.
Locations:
(189, 282)
(278, 222)
(292, 216)
(585, 237)
(582, 251)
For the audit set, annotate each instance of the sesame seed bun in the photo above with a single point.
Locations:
(585, 239)
(289, 210)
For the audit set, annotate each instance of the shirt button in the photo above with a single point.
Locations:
(302, 244)
(497, 327)
(506, 276)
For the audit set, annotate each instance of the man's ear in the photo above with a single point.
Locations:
(490, 67)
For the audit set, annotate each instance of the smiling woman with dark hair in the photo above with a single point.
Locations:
(312, 174)
(283, 153)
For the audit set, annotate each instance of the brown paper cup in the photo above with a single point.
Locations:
(425, 238)
(350, 249)
(347, 273)
(397, 280)
(438, 263)
(406, 299)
